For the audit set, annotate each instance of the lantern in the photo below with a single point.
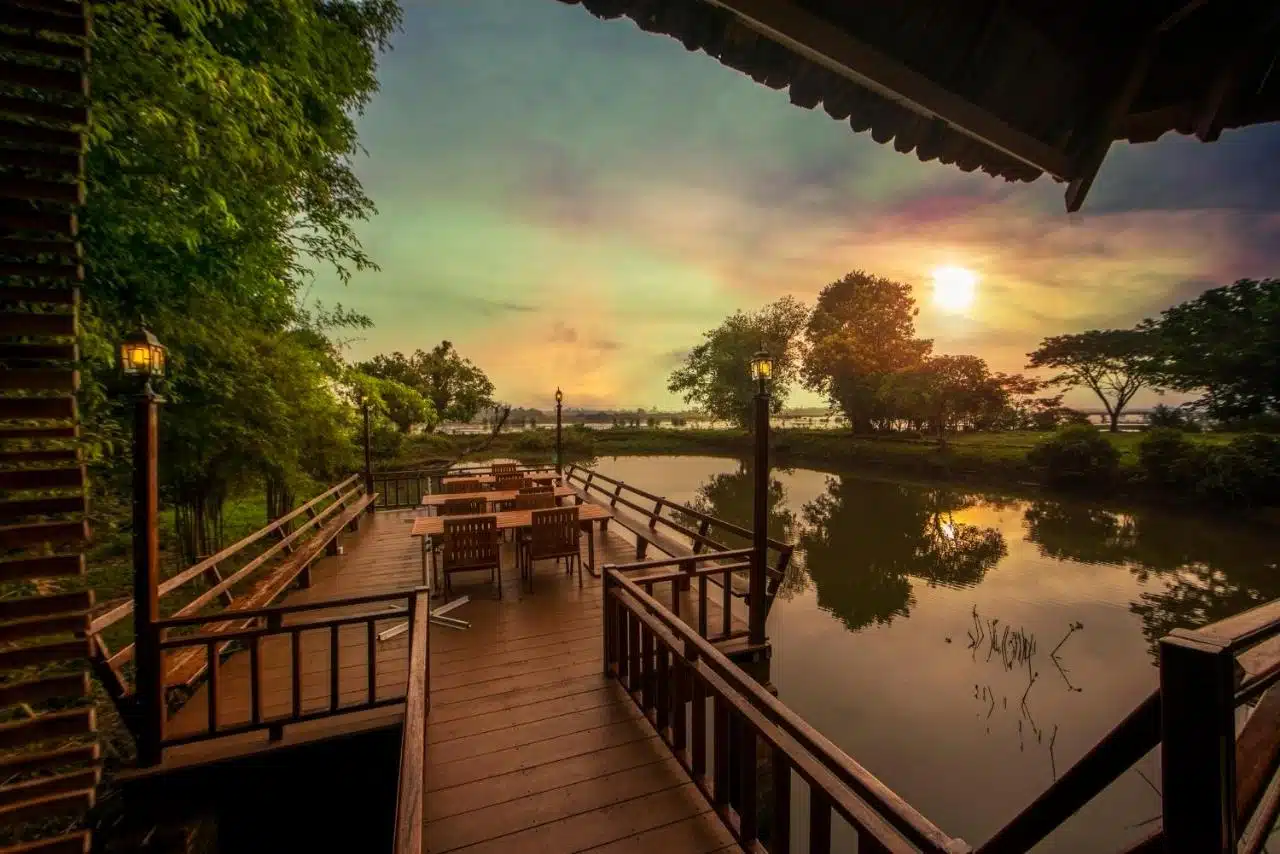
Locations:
(141, 355)
(761, 367)
(559, 396)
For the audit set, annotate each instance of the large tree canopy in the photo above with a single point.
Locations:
(716, 374)
(219, 169)
(1115, 364)
(453, 385)
(1225, 343)
(861, 331)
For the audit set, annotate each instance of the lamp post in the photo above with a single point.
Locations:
(141, 359)
(761, 371)
(559, 454)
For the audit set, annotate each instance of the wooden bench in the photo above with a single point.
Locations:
(185, 666)
(319, 525)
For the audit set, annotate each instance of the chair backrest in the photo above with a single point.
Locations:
(470, 542)
(530, 488)
(554, 531)
(455, 487)
(504, 469)
(463, 506)
(535, 501)
(508, 483)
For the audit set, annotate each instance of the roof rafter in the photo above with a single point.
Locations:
(825, 44)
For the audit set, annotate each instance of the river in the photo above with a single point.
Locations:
(967, 647)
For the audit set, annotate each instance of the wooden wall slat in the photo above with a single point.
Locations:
(17, 323)
(61, 192)
(37, 407)
(72, 843)
(41, 295)
(67, 431)
(25, 763)
(51, 805)
(24, 43)
(35, 248)
(65, 224)
(42, 478)
(46, 727)
(44, 566)
(51, 162)
(49, 455)
(19, 536)
(43, 506)
(74, 686)
(47, 653)
(41, 627)
(39, 606)
(39, 379)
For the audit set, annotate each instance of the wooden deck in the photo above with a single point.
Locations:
(530, 747)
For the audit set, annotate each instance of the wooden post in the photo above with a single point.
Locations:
(559, 445)
(368, 456)
(760, 521)
(149, 680)
(1198, 768)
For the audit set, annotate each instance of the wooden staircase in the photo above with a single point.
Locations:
(49, 767)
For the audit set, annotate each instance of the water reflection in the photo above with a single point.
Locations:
(863, 542)
(1205, 574)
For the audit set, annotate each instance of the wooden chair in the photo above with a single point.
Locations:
(532, 487)
(501, 470)
(471, 545)
(555, 533)
(456, 507)
(457, 487)
(534, 501)
(508, 483)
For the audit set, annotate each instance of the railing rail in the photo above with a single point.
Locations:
(672, 673)
(400, 490)
(279, 625)
(413, 742)
(644, 573)
(291, 532)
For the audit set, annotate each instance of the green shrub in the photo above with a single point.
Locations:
(1168, 458)
(1076, 456)
(535, 440)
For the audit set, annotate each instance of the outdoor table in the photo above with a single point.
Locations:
(493, 496)
(433, 526)
(536, 477)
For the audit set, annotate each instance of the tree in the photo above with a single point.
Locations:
(220, 166)
(1114, 364)
(1226, 343)
(716, 374)
(945, 390)
(402, 405)
(861, 331)
(455, 387)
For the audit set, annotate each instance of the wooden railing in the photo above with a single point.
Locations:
(280, 624)
(413, 740)
(648, 574)
(402, 490)
(710, 533)
(295, 539)
(673, 675)
(1216, 797)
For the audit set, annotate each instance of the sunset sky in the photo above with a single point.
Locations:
(573, 202)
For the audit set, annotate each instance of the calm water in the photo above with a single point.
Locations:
(918, 626)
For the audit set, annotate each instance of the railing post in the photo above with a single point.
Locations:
(559, 446)
(368, 455)
(149, 681)
(1198, 768)
(606, 574)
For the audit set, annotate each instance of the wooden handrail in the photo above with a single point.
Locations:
(750, 698)
(125, 608)
(413, 742)
(678, 561)
(1114, 754)
(685, 509)
(281, 610)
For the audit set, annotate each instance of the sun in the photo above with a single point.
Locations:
(953, 288)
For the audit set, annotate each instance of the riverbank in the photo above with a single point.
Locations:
(988, 459)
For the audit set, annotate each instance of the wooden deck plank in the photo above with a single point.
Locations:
(529, 746)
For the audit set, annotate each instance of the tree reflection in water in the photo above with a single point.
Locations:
(1208, 573)
(863, 541)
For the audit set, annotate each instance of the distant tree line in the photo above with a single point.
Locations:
(858, 348)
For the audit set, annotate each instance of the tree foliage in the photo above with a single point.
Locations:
(862, 330)
(219, 170)
(1115, 364)
(716, 374)
(1226, 344)
(456, 389)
